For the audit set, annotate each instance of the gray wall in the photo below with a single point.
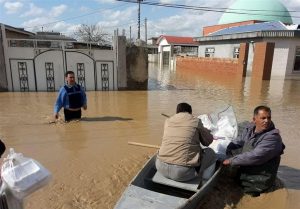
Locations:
(137, 68)
(3, 80)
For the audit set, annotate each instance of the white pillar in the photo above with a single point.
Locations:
(6, 60)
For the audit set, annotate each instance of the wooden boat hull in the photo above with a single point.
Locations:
(142, 192)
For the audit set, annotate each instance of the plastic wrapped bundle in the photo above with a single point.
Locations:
(23, 175)
(223, 126)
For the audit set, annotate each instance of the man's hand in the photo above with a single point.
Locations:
(85, 107)
(56, 116)
(226, 162)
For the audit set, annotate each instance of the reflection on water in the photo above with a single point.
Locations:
(91, 161)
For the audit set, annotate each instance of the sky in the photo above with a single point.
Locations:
(66, 16)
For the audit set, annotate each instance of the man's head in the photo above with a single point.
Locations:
(70, 78)
(184, 107)
(262, 118)
(2, 148)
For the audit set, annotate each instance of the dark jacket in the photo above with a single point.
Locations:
(266, 145)
(259, 158)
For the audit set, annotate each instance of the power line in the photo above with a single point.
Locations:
(218, 8)
(210, 9)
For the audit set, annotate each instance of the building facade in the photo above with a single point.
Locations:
(170, 46)
(31, 62)
(270, 40)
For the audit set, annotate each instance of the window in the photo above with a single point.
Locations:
(236, 52)
(23, 76)
(81, 74)
(50, 76)
(13, 43)
(209, 52)
(297, 60)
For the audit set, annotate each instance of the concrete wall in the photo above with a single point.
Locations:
(284, 57)
(121, 62)
(137, 68)
(102, 69)
(3, 79)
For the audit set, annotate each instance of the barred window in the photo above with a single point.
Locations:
(236, 52)
(209, 52)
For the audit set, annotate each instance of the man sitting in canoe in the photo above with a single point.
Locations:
(257, 151)
(181, 157)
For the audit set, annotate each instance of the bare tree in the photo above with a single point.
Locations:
(91, 33)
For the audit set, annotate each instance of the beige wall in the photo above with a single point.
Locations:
(3, 79)
(67, 59)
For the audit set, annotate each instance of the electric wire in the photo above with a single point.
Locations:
(210, 9)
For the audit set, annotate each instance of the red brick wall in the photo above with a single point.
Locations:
(210, 29)
(217, 65)
(262, 61)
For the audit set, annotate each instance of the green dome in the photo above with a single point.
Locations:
(269, 7)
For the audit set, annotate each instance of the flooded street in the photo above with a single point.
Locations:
(91, 161)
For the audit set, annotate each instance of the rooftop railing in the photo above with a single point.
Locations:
(55, 44)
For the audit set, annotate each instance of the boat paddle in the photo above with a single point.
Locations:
(163, 114)
(144, 145)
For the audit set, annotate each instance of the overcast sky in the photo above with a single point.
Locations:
(65, 15)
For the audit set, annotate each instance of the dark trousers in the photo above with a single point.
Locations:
(72, 115)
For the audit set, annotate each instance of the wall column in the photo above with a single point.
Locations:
(262, 61)
(243, 59)
(121, 63)
(3, 60)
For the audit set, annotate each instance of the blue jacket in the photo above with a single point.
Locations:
(70, 97)
(267, 145)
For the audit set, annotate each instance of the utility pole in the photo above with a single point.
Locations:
(130, 35)
(146, 30)
(139, 19)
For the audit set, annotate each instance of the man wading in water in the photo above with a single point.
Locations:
(72, 97)
(257, 153)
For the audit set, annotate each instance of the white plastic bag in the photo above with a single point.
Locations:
(224, 128)
(23, 175)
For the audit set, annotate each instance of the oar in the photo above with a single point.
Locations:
(163, 114)
(148, 145)
(144, 145)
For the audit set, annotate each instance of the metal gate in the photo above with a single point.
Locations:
(81, 75)
(23, 76)
(50, 76)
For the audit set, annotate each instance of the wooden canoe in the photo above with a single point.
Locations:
(149, 189)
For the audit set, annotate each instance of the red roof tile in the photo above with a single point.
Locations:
(177, 40)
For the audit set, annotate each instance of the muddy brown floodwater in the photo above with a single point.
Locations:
(91, 162)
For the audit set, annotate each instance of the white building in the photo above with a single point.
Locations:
(169, 46)
(265, 22)
(37, 62)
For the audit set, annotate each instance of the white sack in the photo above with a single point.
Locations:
(223, 126)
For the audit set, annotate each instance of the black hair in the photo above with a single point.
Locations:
(2, 148)
(69, 72)
(184, 107)
(261, 107)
